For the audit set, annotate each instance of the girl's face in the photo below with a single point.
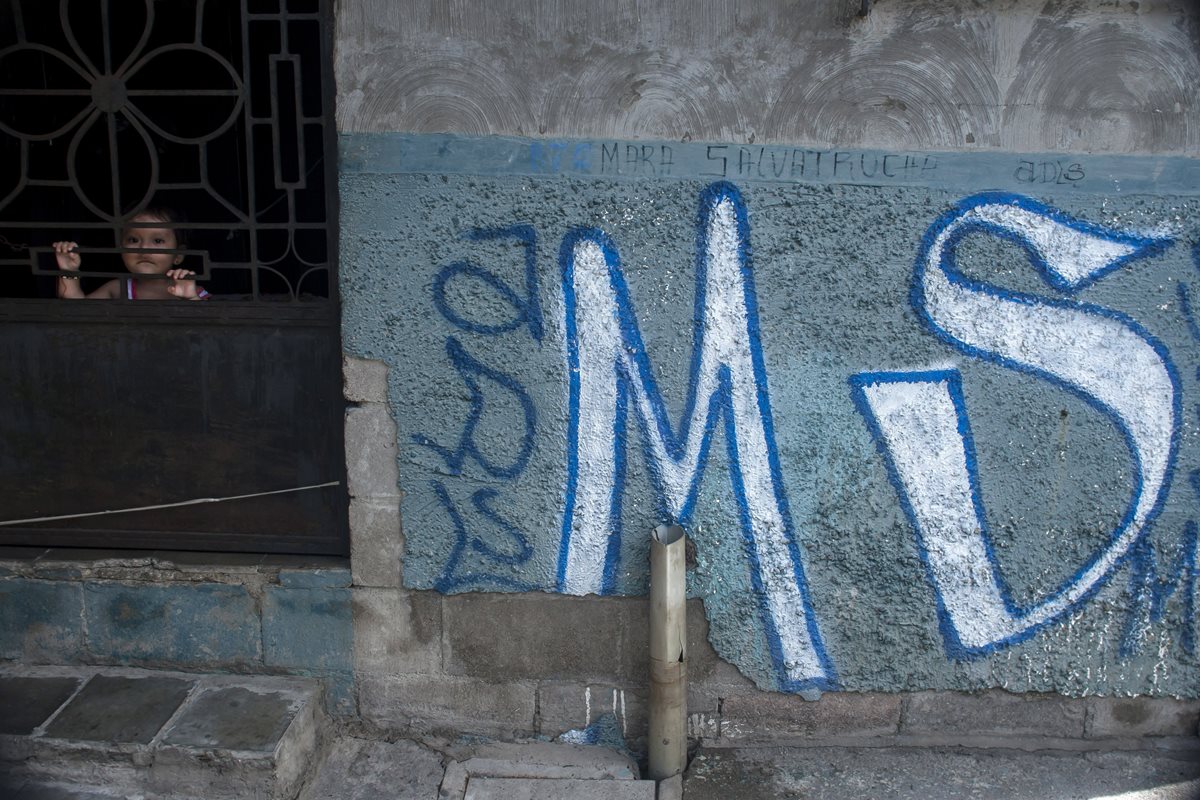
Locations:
(136, 239)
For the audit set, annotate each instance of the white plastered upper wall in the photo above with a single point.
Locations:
(1021, 75)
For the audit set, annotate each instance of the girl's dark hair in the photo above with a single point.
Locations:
(169, 215)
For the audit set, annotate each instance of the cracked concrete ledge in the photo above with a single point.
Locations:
(367, 762)
(161, 566)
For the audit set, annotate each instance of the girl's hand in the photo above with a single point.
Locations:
(183, 286)
(67, 255)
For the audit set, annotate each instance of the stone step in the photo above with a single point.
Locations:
(557, 789)
(82, 731)
(544, 761)
(542, 771)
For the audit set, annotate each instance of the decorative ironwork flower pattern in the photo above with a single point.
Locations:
(104, 90)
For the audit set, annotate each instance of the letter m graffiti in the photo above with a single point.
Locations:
(611, 379)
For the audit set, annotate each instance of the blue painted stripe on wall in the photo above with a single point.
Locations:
(1044, 173)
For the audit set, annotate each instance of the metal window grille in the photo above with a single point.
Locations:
(217, 109)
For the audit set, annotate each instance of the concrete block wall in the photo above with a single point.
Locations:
(485, 663)
(195, 612)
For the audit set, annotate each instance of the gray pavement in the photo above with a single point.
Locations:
(366, 769)
(818, 773)
(359, 769)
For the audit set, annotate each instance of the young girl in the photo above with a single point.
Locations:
(140, 243)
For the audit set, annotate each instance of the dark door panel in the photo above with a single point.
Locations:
(103, 415)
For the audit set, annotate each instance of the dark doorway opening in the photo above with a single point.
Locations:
(222, 111)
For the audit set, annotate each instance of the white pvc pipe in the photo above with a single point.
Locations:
(668, 653)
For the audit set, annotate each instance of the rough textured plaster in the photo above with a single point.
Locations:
(833, 266)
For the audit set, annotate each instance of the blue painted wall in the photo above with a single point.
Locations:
(273, 620)
(930, 418)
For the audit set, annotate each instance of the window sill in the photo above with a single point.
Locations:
(168, 566)
(321, 312)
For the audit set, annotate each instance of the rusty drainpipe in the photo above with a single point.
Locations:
(668, 653)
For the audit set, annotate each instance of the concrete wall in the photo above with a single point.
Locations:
(1018, 75)
(503, 280)
(897, 312)
(894, 312)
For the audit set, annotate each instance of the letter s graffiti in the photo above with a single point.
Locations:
(920, 424)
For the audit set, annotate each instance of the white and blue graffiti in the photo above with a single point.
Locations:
(513, 547)
(918, 419)
(920, 422)
(610, 375)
